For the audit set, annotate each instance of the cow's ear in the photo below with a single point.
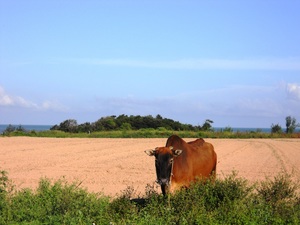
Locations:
(177, 152)
(150, 152)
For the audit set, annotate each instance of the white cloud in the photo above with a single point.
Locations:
(9, 100)
(293, 91)
(17, 101)
(4, 98)
(202, 64)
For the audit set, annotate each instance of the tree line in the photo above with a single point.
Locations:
(290, 123)
(134, 123)
(125, 122)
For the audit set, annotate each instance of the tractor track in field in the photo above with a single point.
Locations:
(286, 162)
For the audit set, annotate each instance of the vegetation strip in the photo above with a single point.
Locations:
(231, 200)
(151, 133)
(124, 126)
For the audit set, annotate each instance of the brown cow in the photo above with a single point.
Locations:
(180, 163)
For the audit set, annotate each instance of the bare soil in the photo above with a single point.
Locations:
(111, 165)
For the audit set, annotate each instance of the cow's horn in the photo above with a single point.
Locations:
(171, 148)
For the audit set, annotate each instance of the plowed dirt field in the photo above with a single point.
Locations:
(111, 165)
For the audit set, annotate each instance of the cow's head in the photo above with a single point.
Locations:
(164, 157)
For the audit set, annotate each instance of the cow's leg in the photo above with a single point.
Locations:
(213, 173)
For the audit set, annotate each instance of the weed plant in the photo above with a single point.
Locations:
(229, 200)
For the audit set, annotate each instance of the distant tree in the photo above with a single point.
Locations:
(276, 128)
(126, 126)
(97, 125)
(122, 119)
(85, 127)
(109, 123)
(158, 117)
(10, 128)
(290, 124)
(136, 122)
(69, 125)
(55, 127)
(207, 125)
(150, 122)
(20, 128)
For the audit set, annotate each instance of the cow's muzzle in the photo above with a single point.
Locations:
(163, 182)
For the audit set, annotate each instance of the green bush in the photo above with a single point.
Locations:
(3, 196)
(282, 188)
(228, 200)
(58, 203)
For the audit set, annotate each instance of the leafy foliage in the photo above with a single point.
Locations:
(280, 189)
(58, 203)
(229, 200)
(124, 122)
(10, 129)
(291, 124)
(276, 129)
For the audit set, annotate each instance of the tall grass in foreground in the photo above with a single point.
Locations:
(231, 200)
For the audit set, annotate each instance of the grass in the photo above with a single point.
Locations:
(151, 133)
(231, 200)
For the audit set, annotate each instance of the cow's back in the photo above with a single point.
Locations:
(204, 160)
(198, 142)
(198, 160)
(176, 142)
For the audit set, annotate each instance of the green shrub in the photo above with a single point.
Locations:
(122, 208)
(3, 195)
(58, 203)
(228, 200)
(280, 196)
(282, 188)
(3, 181)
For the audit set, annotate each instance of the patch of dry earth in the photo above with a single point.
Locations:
(110, 165)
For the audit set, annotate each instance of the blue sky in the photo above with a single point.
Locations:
(234, 62)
